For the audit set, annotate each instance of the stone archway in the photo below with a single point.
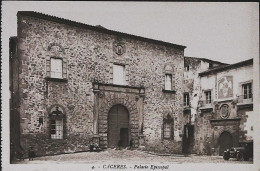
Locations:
(118, 126)
(106, 104)
(225, 142)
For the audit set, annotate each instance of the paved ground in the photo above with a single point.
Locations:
(126, 157)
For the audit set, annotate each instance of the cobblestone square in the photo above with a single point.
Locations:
(124, 156)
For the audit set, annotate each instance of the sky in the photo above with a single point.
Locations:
(226, 32)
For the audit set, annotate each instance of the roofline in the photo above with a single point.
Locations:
(94, 28)
(208, 60)
(227, 67)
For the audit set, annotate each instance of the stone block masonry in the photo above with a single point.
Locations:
(87, 57)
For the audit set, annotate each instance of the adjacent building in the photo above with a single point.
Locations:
(191, 96)
(225, 114)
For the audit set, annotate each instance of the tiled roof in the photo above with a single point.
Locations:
(227, 67)
(207, 60)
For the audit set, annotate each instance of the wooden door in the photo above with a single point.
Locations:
(118, 118)
(124, 137)
(225, 142)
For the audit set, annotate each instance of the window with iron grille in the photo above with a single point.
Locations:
(186, 99)
(56, 129)
(167, 130)
(208, 97)
(57, 119)
(168, 127)
(247, 90)
(168, 82)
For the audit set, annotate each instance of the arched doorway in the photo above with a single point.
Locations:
(225, 142)
(118, 126)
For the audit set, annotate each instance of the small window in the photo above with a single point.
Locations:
(118, 74)
(168, 127)
(40, 120)
(186, 99)
(56, 129)
(210, 65)
(187, 68)
(247, 90)
(167, 130)
(56, 120)
(56, 68)
(168, 82)
(208, 97)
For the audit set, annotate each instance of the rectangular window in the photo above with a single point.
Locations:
(187, 68)
(40, 120)
(168, 82)
(56, 129)
(208, 97)
(119, 74)
(56, 68)
(186, 99)
(247, 90)
(167, 130)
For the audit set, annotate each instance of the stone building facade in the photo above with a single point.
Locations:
(73, 82)
(225, 111)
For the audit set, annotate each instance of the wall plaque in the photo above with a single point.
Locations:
(119, 48)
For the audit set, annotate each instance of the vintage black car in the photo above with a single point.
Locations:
(243, 152)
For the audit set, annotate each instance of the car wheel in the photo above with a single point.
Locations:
(240, 156)
(226, 156)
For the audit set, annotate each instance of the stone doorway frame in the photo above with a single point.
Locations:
(108, 95)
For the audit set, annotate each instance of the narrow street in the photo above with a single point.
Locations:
(127, 157)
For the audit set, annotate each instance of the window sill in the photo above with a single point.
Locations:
(64, 80)
(186, 108)
(169, 91)
(169, 139)
(206, 108)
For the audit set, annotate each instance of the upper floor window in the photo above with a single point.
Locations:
(168, 82)
(247, 90)
(210, 65)
(187, 68)
(208, 97)
(186, 99)
(56, 68)
(119, 74)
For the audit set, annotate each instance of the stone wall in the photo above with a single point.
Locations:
(88, 57)
(203, 133)
(246, 124)
(192, 84)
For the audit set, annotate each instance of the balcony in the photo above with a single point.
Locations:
(205, 105)
(245, 101)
